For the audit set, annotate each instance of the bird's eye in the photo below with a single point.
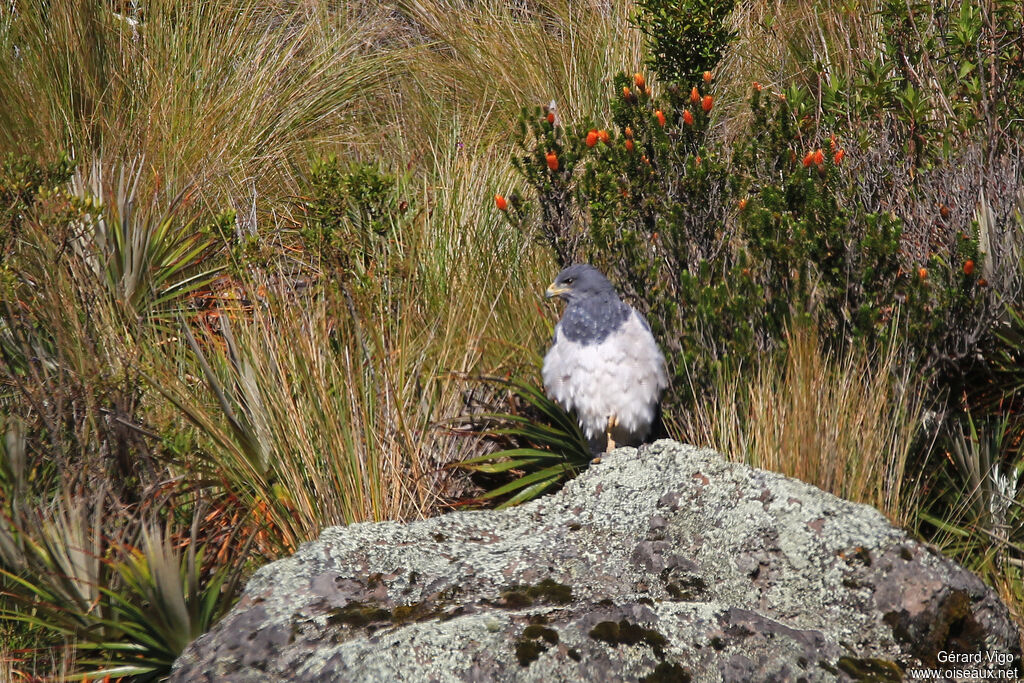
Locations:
(570, 280)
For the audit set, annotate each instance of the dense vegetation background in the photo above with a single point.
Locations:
(257, 257)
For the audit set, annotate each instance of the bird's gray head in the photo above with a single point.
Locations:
(581, 281)
(594, 308)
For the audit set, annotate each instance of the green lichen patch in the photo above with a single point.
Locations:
(358, 614)
(536, 640)
(625, 632)
(536, 631)
(551, 592)
(414, 612)
(870, 670)
(516, 599)
(528, 650)
(667, 672)
(546, 592)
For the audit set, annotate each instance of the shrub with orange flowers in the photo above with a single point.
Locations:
(811, 247)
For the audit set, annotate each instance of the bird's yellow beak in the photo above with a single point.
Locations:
(555, 289)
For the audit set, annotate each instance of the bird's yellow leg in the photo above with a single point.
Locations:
(613, 422)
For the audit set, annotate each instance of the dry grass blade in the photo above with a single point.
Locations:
(846, 426)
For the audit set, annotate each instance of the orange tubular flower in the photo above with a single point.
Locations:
(707, 103)
(694, 95)
(552, 159)
(839, 156)
(968, 267)
(743, 204)
(819, 157)
(922, 273)
(629, 131)
(551, 117)
(809, 159)
(603, 136)
(687, 117)
(707, 76)
(660, 115)
(591, 138)
(638, 79)
(629, 145)
(501, 202)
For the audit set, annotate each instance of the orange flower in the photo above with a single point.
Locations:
(757, 86)
(552, 160)
(832, 142)
(809, 159)
(638, 79)
(627, 94)
(968, 267)
(551, 117)
(819, 158)
(839, 155)
(629, 131)
(694, 95)
(697, 161)
(591, 138)
(707, 76)
(706, 103)
(501, 202)
(982, 282)
(687, 117)
(603, 136)
(743, 204)
(645, 160)
(629, 145)
(660, 115)
(944, 212)
(922, 273)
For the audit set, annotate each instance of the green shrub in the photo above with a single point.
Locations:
(352, 212)
(684, 38)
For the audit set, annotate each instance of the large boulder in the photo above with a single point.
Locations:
(665, 563)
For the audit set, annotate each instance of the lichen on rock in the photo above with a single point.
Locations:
(663, 563)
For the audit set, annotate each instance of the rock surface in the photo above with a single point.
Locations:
(663, 564)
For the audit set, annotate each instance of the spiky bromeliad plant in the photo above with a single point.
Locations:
(130, 602)
(549, 447)
(129, 609)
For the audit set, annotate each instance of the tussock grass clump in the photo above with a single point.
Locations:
(848, 425)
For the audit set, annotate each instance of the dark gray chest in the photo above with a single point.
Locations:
(592, 321)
